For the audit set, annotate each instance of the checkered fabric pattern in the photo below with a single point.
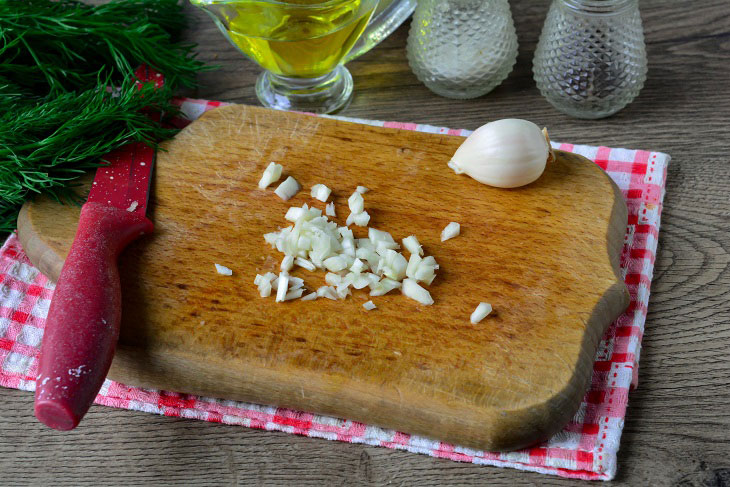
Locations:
(586, 448)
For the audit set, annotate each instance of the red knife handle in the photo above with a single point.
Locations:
(82, 326)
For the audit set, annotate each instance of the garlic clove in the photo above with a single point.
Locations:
(505, 153)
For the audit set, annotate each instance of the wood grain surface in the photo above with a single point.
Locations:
(677, 424)
(548, 264)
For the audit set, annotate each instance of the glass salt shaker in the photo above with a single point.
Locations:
(462, 48)
(590, 61)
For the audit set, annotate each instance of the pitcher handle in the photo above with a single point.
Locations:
(381, 26)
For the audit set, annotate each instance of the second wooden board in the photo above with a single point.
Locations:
(545, 256)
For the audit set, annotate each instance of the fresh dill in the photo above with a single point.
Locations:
(67, 89)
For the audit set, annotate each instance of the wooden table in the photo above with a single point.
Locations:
(678, 423)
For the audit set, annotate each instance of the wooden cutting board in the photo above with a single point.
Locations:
(545, 256)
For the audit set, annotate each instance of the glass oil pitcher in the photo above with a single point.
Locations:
(303, 44)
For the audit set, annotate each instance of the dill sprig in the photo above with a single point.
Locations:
(45, 147)
(56, 46)
(58, 112)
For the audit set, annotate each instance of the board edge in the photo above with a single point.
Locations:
(40, 254)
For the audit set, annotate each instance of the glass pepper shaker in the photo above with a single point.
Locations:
(462, 48)
(590, 61)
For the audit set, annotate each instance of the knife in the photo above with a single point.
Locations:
(83, 320)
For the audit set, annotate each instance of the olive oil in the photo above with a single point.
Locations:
(300, 38)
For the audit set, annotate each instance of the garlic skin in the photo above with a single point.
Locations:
(505, 153)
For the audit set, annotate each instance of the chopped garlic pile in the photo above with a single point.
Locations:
(315, 242)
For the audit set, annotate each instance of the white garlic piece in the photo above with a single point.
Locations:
(505, 153)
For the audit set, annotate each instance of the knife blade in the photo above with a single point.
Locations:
(83, 320)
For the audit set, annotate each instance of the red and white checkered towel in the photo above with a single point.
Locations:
(587, 446)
